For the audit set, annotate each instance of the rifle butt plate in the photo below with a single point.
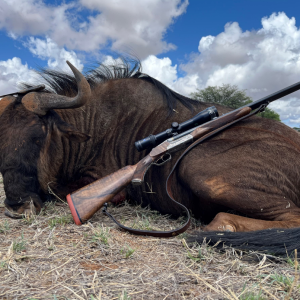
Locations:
(73, 210)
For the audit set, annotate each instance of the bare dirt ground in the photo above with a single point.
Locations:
(49, 257)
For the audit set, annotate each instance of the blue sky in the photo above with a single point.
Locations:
(185, 44)
(209, 17)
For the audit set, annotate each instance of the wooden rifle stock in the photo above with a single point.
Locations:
(85, 202)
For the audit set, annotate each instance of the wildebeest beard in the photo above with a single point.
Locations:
(21, 139)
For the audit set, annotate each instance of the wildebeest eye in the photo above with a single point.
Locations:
(38, 140)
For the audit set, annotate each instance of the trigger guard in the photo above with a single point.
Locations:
(163, 161)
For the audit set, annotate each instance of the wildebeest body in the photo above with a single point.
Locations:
(252, 168)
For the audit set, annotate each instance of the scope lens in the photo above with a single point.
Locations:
(149, 141)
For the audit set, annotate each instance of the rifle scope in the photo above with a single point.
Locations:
(153, 140)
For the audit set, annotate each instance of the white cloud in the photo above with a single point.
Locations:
(187, 84)
(261, 62)
(160, 69)
(12, 71)
(135, 25)
(205, 43)
(57, 57)
(30, 16)
(110, 61)
(289, 110)
(128, 25)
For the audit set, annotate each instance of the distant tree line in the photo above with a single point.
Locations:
(231, 96)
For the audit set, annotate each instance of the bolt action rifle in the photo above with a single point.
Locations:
(89, 199)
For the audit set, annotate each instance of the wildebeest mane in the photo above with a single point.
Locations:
(62, 83)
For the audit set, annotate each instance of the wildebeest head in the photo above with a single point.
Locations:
(27, 124)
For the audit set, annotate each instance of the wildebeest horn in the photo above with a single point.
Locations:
(40, 103)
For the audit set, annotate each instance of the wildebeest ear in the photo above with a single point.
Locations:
(64, 129)
(76, 136)
(72, 134)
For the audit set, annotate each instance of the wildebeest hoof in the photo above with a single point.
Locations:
(23, 212)
(12, 214)
(229, 228)
(226, 228)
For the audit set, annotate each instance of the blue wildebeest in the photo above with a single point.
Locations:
(84, 127)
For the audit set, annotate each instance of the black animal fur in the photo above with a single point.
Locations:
(62, 83)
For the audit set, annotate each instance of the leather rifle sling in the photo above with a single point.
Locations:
(185, 226)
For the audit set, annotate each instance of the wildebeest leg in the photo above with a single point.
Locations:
(230, 222)
(265, 206)
(268, 201)
(260, 209)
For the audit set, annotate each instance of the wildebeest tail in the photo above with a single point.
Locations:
(272, 241)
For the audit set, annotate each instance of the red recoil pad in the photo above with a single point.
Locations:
(73, 210)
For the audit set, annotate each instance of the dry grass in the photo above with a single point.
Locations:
(48, 257)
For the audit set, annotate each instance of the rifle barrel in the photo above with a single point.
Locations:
(256, 104)
(277, 95)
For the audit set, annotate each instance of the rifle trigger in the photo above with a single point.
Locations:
(163, 159)
(263, 107)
